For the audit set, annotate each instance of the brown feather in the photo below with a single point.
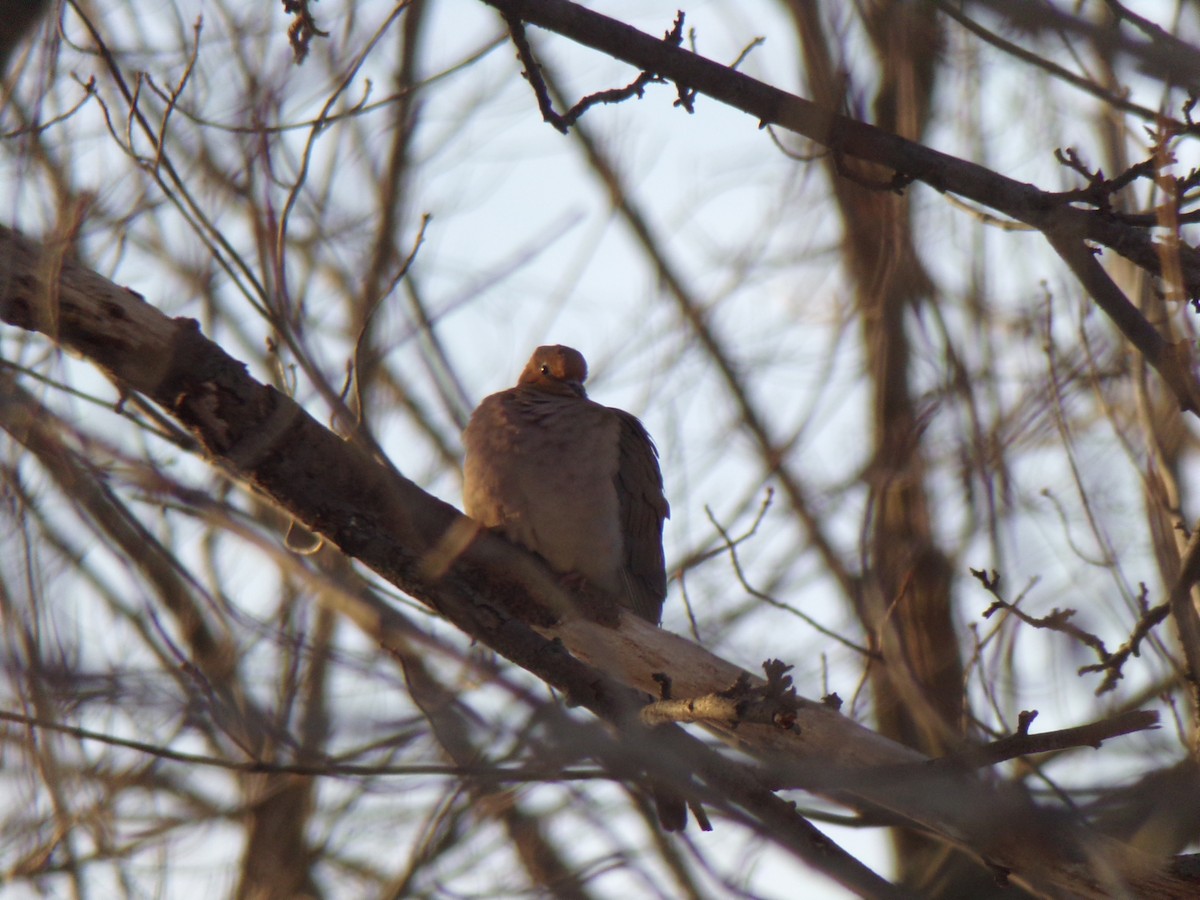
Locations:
(643, 509)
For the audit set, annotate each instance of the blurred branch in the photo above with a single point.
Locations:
(1158, 54)
(731, 546)
(211, 657)
(1068, 227)
(1187, 620)
(1037, 60)
(454, 732)
(17, 19)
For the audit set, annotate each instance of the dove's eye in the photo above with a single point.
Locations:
(545, 369)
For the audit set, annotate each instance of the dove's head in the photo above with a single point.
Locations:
(556, 369)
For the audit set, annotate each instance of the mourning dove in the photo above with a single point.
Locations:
(575, 482)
